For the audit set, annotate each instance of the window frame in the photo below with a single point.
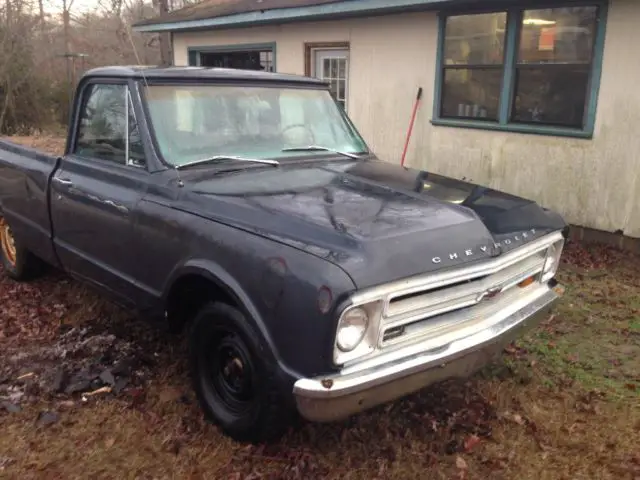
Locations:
(508, 87)
(194, 52)
(84, 95)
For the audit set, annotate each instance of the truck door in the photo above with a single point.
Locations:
(96, 189)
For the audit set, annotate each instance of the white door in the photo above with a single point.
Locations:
(332, 65)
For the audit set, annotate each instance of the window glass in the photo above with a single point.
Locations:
(558, 35)
(475, 39)
(241, 59)
(471, 93)
(551, 66)
(103, 126)
(554, 66)
(551, 96)
(193, 122)
(473, 66)
(101, 133)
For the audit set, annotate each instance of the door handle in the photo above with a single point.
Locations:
(63, 181)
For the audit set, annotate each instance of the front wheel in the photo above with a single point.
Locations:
(18, 262)
(235, 383)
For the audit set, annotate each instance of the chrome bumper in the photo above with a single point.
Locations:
(400, 372)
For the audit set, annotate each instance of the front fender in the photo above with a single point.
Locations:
(227, 283)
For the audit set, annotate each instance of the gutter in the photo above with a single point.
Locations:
(351, 8)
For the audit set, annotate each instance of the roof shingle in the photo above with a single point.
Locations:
(222, 8)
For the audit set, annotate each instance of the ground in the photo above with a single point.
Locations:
(563, 403)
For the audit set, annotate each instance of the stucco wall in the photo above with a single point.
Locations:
(594, 183)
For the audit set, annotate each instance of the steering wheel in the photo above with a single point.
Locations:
(299, 125)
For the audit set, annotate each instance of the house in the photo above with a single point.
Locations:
(537, 98)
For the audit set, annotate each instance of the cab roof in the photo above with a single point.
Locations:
(198, 73)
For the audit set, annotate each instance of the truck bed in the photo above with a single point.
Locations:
(24, 194)
(49, 144)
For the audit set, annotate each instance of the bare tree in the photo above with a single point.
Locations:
(165, 38)
(38, 64)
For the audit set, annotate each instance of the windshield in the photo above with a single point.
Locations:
(192, 122)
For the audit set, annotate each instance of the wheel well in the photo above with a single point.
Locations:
(188, 295)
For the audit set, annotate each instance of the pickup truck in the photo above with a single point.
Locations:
(244, 209)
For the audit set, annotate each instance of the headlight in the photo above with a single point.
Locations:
(552, 261)
(357, 332)
(353, 325)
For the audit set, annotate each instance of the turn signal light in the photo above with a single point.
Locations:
(526, 282)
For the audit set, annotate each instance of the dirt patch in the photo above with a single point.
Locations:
(61, 343)
(563, 404)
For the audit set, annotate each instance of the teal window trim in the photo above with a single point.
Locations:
(193, 53)
(514, 24)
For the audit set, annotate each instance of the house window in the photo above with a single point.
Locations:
(330, 62)
(244, 57)
(530, 70)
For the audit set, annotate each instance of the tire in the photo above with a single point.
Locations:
(233, 380)
(18, 262)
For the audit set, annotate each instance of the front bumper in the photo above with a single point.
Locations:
(392, 375)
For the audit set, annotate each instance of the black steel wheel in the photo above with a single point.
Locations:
(230, 372)
(234, 382)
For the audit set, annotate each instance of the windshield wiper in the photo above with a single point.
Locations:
(312, 148)
(219, 158)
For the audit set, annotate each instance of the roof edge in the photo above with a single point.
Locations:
(291, 14)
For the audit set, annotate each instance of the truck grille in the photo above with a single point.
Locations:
(432, 310)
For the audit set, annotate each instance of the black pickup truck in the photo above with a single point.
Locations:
(245, 209)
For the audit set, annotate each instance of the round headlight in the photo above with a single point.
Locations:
(352, 328)
(552, 261)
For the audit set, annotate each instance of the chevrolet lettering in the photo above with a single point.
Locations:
(245, 211)
(485, 249)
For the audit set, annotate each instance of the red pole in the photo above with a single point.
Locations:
(413, 119)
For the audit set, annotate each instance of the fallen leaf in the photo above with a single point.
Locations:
(471, 442)
(169, 395)
(461, 463)
(109, 442)
(543, 446)
(518, 419)
(47, 418)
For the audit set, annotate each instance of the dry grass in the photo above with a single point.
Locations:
(564, 404)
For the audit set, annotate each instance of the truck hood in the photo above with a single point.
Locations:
(377, 221)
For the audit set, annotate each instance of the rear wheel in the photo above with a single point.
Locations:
(18, 262)
(234, 382)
